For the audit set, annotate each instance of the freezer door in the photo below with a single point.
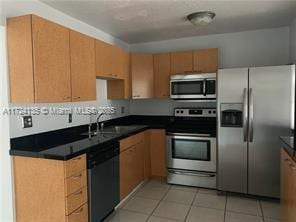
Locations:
(232, 141)
(271, 99)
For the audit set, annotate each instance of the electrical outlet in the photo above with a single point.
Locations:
(70, 118)
(27, 121)
(122, 109)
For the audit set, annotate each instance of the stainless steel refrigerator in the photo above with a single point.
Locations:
(255, 107)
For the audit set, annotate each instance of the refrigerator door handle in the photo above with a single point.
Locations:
(245, 115)
(251, 115)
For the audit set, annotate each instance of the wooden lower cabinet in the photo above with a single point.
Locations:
(131, 163)
(50, 190)
(141, 156)
(288, 188)
(158, 152)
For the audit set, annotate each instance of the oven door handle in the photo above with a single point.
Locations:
(192, 174)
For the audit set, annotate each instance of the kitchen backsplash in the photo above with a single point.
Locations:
(161, 106)
(43, 123)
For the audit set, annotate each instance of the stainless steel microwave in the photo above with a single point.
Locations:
(193, 86)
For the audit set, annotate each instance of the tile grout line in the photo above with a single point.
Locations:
(261, 207)
(225, 207)
(151, 214)
(191, 205)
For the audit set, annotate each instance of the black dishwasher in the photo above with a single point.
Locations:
(103, 181)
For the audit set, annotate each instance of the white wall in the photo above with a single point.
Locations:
(44, 123)
(161, 106)
(240, 49)
(22, 7)
(11, 8)
(293, 41)
(6, 200)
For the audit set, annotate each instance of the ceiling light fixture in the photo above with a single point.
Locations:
(201, 18)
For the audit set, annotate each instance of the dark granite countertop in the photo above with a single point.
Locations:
(68, 143)
(288, 145)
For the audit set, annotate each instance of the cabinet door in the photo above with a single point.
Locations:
(120, 67)
(139, 163)
(126, 172)
(104, 60)
(158, 152)
(142, 76)
(51, 53)
(161, 67)
(146, 151)
(288, 188)
(206, 60)
(20, 55)
(83, 75)
(181, 62)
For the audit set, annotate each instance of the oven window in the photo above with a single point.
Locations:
(191, 149)
(187, 88)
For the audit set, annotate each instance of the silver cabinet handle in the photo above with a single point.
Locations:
(251, 115)
(136, 96)
(245, 115)
(77, 177)
(78, 193)
(79, 211)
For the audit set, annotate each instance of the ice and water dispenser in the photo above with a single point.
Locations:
(231, 115)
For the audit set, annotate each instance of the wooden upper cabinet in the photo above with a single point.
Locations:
(142, 76)
(121, 63)
(161, 67)
(181, 62)
(51, 55)
(110, 61)
(83, 74)
(103, 59)
(39, 60)
(205, 60)
(20, 54)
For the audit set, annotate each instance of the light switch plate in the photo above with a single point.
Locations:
(27, 121)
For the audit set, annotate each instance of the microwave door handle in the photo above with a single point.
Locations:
(245, 115)
(204, 87)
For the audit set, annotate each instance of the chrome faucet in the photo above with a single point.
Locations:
(89, 125)
(99, 126)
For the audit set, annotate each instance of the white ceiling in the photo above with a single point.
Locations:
(136, 21)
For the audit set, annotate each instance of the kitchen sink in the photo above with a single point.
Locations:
(118, 129)
(112, 130)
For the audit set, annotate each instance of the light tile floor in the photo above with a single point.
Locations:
(157, 201)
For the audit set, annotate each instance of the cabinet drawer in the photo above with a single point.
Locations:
(73, 201)
(75, 182)
(131, 141)
(75, 165)
(79, 215)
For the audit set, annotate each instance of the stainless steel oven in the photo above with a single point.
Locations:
(191, 152)
(191, 160)
(193, 86)
(191, 148)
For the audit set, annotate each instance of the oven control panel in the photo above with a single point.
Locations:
(195, 112)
